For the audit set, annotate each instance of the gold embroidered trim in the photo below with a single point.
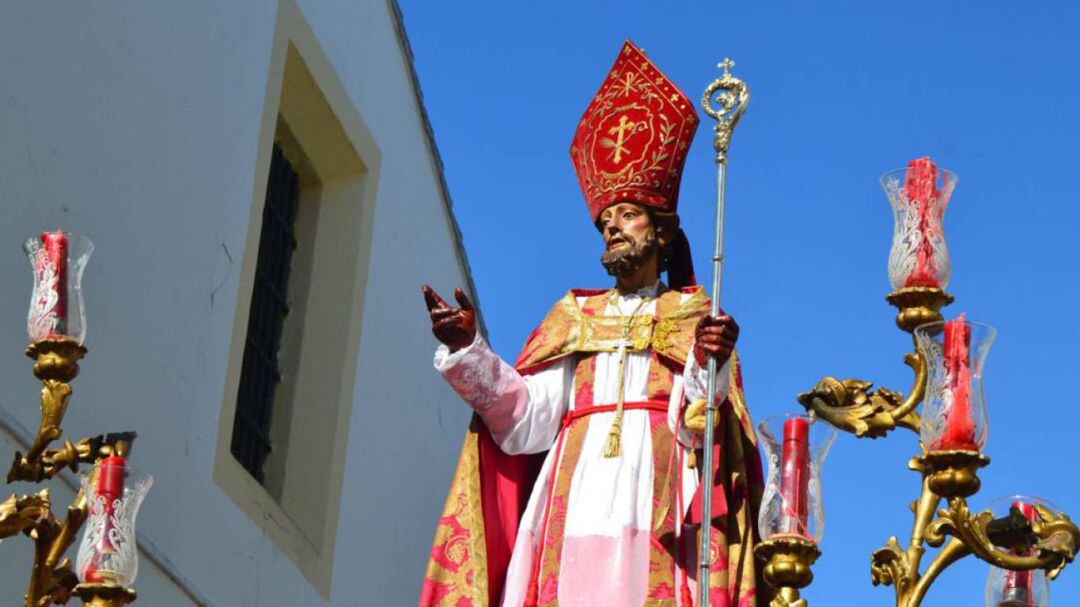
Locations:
(567, 330)
(604, 333)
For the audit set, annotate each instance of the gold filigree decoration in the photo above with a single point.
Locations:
(661, 338)
(889, 566)
(1053, 537)
(852, 404)
(731, 97)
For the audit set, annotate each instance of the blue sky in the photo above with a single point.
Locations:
(841, 92)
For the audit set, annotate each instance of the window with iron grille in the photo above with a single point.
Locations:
(260, 374)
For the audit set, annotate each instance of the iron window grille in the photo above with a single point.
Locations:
(260, 373)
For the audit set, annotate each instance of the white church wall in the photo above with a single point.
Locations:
(138, 125)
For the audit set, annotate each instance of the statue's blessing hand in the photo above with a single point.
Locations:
(715, 336)
(455, 327)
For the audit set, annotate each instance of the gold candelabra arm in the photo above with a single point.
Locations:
(86, 451)
(52, 578)
(23, 514)
(924, 509)
(854, 406)
(56, 363)
(1054, 538)
(894, 566)
(951, 553)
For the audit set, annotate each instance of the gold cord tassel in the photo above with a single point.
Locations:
(613, 447)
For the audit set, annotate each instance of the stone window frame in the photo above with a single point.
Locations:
(309, 114)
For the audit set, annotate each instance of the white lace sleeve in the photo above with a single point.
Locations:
(523, 413)
(696, 379)
(694, 386)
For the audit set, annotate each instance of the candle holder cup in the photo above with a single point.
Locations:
(919, 195)
(1016, 516)
(104, 595)
(953, 473)
(108, 552)
(954, 415)
(787, 566)
(58, 260)
(795, 448)
(918, 306)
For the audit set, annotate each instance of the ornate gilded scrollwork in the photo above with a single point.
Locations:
(731, 96)
(889, 566)
(852, 405)
(20, 514)
(1053, 537)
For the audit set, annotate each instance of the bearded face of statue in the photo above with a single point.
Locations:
(629, 237)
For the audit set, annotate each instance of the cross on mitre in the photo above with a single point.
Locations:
(620, 132)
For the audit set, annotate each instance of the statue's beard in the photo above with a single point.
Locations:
(624, 261)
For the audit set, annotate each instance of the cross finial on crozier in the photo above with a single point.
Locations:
(726, 65)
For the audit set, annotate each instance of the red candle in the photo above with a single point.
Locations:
(1018, 584)
(109, 489)
(50, 309)
(795, 475)
(959, 425)
(920, 187)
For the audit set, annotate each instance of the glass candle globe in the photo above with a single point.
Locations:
(1006, 588)
(108, 552)
(795, 448)
(918, 195)
(58, 260)
(954, 413)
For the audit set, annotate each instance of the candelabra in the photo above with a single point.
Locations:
(1026, 541)
(111, 490)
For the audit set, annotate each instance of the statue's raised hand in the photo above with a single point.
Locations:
(455, 327)
(715, 336)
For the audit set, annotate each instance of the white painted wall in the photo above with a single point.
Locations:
(136, 124)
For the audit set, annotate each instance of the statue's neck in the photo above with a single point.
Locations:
(645, 276)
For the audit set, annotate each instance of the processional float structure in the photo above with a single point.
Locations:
(111, 491)
(1024, 540)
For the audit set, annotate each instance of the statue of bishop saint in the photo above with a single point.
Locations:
(577, 484)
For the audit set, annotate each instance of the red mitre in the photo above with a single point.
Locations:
(631, 143)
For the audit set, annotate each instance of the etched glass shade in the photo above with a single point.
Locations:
(1006, 588)
(954, 415)
(108, 552)
(919, 195)
(58, 260)
(795, 448)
